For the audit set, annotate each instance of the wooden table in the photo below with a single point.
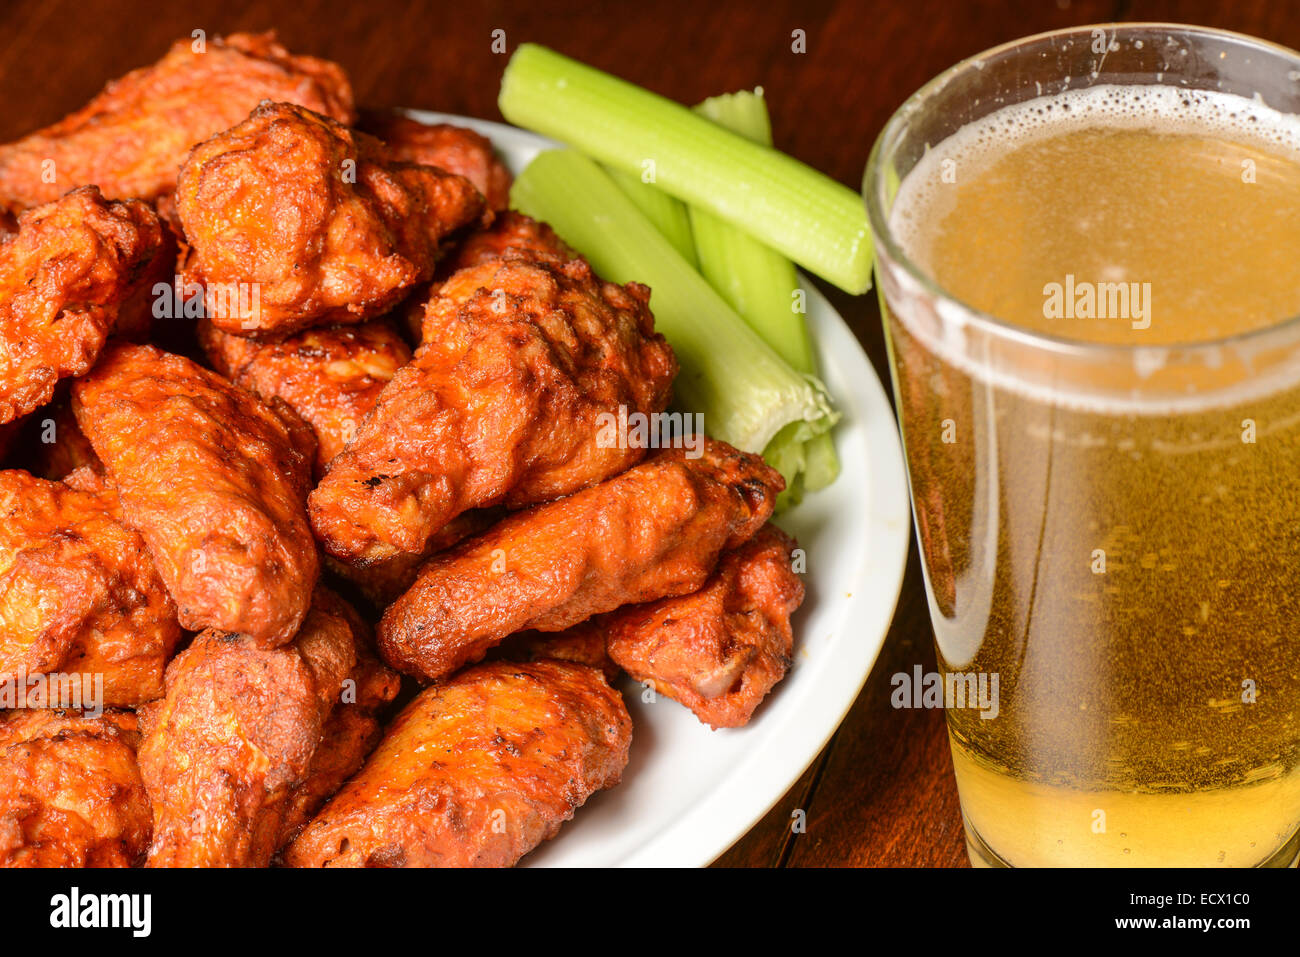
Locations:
(882, 792)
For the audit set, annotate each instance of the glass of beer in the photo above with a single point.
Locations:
(1088, 253)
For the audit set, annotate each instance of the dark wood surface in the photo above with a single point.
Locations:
(881, 792)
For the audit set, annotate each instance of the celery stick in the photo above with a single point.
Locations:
(745, 391)
(821, 464)
(787, 453)
(757, 281)
(760, 284)
(669, 215)
(817, 222)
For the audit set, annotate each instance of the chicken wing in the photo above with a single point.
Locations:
(383, 582)
(652, 532)
(130, 139)
(293, 220)
(720, 650)
(224, 751)
(78, 592)
(350, 734)
(511, 235)
(476, 771)
(503, 404)
(70, 790)
(330, 376)
(453, 148)
(215, 483)
(63, 280)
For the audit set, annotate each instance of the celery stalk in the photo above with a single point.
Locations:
(787, 453)
(761, 285)
(669, 215)
(821, 464)
(759, 282)
(817, 222)
(745, 391)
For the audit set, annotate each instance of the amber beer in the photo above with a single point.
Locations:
(1097, 369)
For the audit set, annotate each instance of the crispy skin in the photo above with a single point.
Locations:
(347, 738)
(63, 280)
(235, 735)
(502, 405)
(384, 582)
(512, 235)
(720, 650)
(135, 317)
(70, 791)
(582, 644)
(319, 221)
(476, 771)
(215, 483)
(78, 591)
(350, 734)
(330, 376)
(130, 139)
(453, 148)
(652, 532)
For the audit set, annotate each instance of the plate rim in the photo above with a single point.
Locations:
(724, 817)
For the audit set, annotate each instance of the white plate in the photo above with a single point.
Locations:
(688, 792)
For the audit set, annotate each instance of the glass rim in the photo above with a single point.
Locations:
(884, 238)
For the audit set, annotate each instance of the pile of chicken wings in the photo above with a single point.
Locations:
(303, 462)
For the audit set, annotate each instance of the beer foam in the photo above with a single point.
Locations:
(1156, 108)
(921, 198)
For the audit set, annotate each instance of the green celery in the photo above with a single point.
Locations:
(763, 287)
(669, 215)
(821, 464)
(787, 453)
(745, 391)
(817, 222)
(759, 282)
(743, 112)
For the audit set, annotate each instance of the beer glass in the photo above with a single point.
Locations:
(1107, 506)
